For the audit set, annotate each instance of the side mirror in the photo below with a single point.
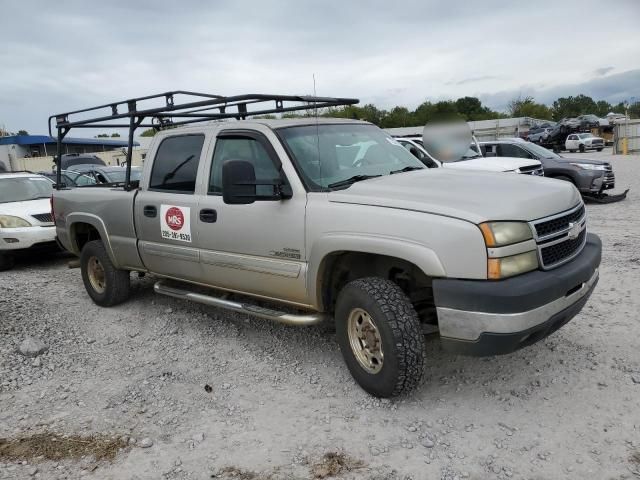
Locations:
(238, 182)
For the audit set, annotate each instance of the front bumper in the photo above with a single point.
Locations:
(26, 237)
(595, 181)
(498, 317)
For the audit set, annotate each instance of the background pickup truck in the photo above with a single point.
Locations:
(289, 215)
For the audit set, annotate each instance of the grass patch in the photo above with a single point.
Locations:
(333, 464)
(51, 446)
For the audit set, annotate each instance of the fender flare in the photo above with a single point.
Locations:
(418, 254)
(97, 223)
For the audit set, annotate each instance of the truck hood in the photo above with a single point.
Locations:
(578, 160)
(493, 164)
(475, 197)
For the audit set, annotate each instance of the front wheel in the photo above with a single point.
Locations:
(581, 147)
(599, 149)
(380, 337)
(105, 284)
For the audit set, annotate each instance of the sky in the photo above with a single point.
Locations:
(57, 56)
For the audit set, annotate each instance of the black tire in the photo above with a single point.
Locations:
(581, 147)
(599, 149)
(6, 262)
(116, 283)
(572, 151)
(401, 337)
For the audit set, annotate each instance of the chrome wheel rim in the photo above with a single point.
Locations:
(95, 271)
(365, 340)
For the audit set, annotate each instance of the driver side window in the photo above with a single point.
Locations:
(243, 148)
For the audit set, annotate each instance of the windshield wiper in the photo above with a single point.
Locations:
(405, 169)
(351, 180)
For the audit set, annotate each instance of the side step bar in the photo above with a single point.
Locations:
(277, 316)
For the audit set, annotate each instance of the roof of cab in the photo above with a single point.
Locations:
(273, 124)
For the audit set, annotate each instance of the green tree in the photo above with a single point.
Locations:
(102, 135)
(602, 108)
(569, 107)
(148, 133)
(444, 111)
(528, 107)
(397, 117)
(23, 132)
(115, 135)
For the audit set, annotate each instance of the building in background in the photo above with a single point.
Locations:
(29, 152)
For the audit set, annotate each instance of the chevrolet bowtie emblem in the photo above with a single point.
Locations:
(574, 230)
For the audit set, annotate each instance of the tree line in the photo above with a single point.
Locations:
(466, 108)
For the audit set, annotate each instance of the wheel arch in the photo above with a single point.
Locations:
(341, 259)
(83, 228)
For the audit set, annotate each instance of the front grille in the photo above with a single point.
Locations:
(558, 252)
(531, 170)
(559, 224)
(43, 217)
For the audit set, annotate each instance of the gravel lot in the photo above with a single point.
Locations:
(277, 399)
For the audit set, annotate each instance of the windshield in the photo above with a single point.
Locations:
(21, 189)
(471, 154)
(541, 151)
(585, 135)
(329, 154)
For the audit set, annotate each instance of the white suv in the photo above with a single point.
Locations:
(25, 215)
(473, 159)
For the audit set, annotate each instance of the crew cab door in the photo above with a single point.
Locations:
(257, 248)
(166, 210)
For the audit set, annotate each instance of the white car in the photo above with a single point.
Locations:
(26, 221)
(583, 142)
(473, 160)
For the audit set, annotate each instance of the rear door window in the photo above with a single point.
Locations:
(175, 166)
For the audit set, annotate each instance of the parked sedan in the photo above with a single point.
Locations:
(70, 178)
(587, 122)
(589, 176)
(102, 174)
(25, 215)
(583, 142)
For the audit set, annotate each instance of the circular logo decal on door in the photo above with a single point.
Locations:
(174, 218)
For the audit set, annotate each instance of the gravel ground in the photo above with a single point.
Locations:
(202, 393)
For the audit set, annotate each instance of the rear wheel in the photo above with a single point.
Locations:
(581, 147)
(599, 149)
(380, 337)
(6, 261)
(105, 284)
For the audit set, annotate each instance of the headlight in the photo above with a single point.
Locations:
(499, 234)
(7, 221)
(504, 267)
(589, 166)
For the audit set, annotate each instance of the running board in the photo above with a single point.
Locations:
(275, 315)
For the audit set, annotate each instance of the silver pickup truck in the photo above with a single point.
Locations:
(330, 220)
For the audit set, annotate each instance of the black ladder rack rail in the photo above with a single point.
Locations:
(179, 107)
